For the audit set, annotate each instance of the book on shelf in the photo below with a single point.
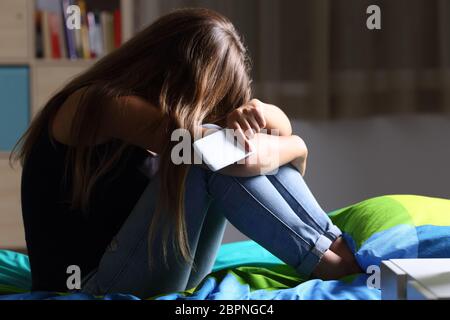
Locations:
(117, 28)
(95, 34)
(39, 44)
(68, 33)
(100, 31)
(46, 41)
(55, 40)
(85, 45)
(107, 22)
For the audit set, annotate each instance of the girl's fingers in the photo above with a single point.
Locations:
(241, 137)
(246, 127)
(258, 112)
(255, 118)
(239, 133)
(254, 124)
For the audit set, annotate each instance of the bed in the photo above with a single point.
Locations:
(387, 227)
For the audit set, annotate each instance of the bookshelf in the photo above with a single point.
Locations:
(37, 79)
(18, 38)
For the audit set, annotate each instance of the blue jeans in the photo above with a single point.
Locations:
(278, 212)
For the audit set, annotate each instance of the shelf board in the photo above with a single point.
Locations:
(14, 61)
(4, 155)
(64, 62)
(16, 248)
(47, 62)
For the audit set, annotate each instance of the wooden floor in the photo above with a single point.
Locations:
(11, 227)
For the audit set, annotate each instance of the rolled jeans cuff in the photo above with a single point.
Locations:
(333, 233)
(313, 257)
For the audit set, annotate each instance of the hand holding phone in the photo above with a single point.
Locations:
(221, 149)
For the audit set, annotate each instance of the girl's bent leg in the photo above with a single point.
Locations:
(291, 185)
(339, 260)
(279, 213)
(208, 245)
(124, 267)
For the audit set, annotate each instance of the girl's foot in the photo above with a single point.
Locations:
(331, 267)
(337, 262)
(340, 247)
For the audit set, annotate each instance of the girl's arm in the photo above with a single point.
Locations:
(135, 121)
(274, 149)
(130, 119)
(254, 116)
(277, 119)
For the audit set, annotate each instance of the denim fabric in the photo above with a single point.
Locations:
(279, 212)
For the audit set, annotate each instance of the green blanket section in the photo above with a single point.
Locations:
(258, 268)
(364, 219)
(252, 265)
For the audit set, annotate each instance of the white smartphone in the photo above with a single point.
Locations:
(220, 149)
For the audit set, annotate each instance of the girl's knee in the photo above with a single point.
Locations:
(197, 177)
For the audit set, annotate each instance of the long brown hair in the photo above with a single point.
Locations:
(192, 65)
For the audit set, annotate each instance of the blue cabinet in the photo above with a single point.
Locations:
(14, 105)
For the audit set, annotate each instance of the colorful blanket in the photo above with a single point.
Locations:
(377, 229)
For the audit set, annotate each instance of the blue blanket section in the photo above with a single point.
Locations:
(15, 272)
(243, 253)
(401, 241)
(404, 242)
(245, 270)
(230, 289)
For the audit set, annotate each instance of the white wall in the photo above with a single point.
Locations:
(353, 160)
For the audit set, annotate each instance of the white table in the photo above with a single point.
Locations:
(415, 279)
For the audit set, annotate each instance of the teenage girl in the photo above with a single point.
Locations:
(100, 192)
